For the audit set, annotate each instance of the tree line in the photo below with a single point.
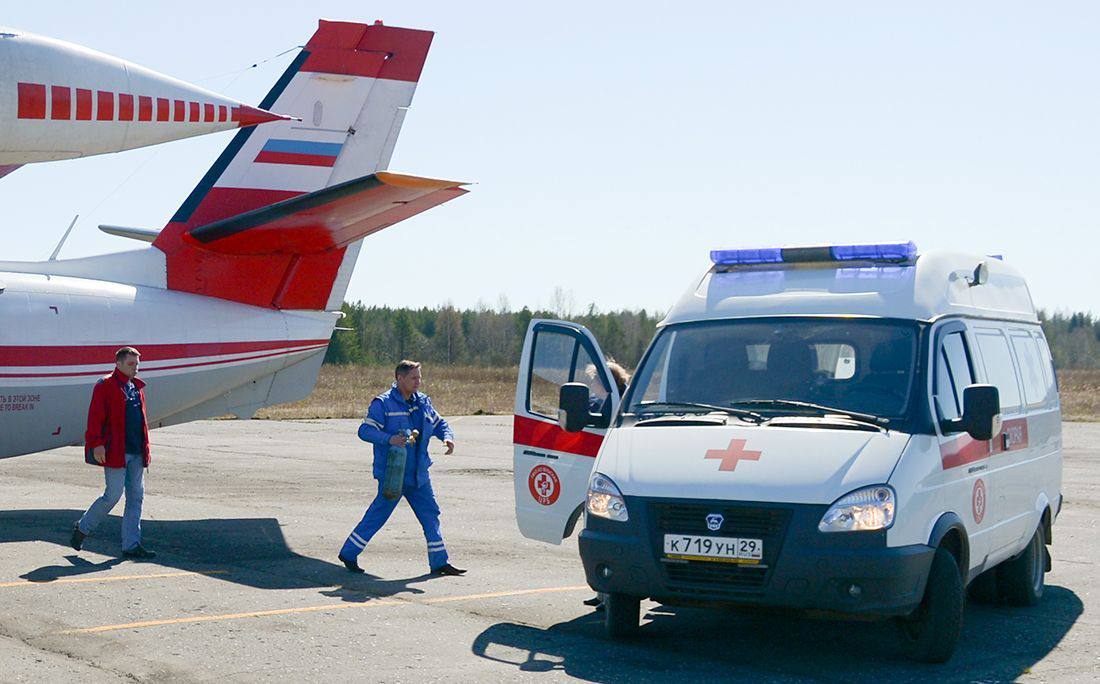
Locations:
(494, 337)
(1074, 339)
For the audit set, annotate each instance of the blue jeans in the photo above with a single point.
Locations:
(422, 500)
(131, 479)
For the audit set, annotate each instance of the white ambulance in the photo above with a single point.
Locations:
(856, 429)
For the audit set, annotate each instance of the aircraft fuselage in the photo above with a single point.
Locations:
(200, 356)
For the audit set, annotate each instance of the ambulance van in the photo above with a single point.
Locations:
(854, 429)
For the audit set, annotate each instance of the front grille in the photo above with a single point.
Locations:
(739, 521)
(721, 579)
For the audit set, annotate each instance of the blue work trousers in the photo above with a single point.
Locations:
(422, 500)
(130, 479)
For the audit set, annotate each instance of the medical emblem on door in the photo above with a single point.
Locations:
(714, 522)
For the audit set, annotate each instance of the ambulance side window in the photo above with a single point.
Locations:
(1049, 375)
(585, 370)
(999, 368)
(559, 357)
(1031, 371)
(953, 375)
(550, 369)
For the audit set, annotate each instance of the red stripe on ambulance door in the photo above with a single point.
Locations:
(544, 435)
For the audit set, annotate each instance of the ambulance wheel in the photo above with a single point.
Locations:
(620, 615)
(931, 632)
(1021, 578)
(984, 588)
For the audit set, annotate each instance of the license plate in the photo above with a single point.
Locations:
(714, 549)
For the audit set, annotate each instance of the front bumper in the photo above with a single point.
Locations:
(802, 567)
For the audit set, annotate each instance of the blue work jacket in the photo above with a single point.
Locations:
(389, 415)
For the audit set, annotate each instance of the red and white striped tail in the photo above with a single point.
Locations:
(350, 85)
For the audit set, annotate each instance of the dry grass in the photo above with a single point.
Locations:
(346, 391)
(1080, 394)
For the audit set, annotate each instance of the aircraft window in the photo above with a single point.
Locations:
(1027, 353)
(999, 369)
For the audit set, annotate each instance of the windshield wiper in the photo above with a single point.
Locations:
(854, 415)
(739, 412)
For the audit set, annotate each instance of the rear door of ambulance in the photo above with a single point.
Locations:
(552, 466)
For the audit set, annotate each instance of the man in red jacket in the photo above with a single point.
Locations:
(117, 439)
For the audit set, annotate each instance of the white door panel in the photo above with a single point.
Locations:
(551, 467)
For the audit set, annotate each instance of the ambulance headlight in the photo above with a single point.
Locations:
(605, 500)
(870, 508)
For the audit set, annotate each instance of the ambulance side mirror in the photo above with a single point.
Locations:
(981, 411)
(573, 401)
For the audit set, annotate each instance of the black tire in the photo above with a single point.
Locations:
(932, 631)
(621, 614)
(985, 589)
(1021, 578)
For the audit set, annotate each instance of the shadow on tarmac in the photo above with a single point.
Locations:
(252, 550)
(999, 643)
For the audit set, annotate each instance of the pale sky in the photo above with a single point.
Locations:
(615, 144)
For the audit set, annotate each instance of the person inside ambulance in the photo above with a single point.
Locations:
(888, 373)
(790, 370)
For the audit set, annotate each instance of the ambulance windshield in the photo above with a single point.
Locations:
(856, 365)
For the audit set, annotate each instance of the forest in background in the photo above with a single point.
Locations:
(379, 336)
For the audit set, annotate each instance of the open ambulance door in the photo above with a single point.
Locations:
(551, 467)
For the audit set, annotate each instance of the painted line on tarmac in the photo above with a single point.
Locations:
(316, 609)
(113, 578)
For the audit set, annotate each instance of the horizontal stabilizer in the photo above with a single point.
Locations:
(327, 219)
(143, 234)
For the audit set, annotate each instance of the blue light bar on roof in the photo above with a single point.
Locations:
(890, 252)
(747, 256)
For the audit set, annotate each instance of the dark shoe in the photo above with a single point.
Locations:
(350, 564)
(595, 601)
(139, 552)
(448, 569)
(77, 540)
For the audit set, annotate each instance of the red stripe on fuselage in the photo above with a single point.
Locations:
(106, 368)
(145, 108)
(125, 107)
(35, 355)
(105, 110)
(32, 101)
(83, 104)
(61, 107)
(543, 435)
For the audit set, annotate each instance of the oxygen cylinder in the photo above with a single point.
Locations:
(396, 458)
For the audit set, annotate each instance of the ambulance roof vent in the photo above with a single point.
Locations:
(888, 252)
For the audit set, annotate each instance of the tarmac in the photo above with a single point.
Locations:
(248, 517)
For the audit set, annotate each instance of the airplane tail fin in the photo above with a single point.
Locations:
(300, 191)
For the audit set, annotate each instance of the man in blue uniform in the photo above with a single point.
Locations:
(389, 419)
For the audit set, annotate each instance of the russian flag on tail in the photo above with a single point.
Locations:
(299, 152)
